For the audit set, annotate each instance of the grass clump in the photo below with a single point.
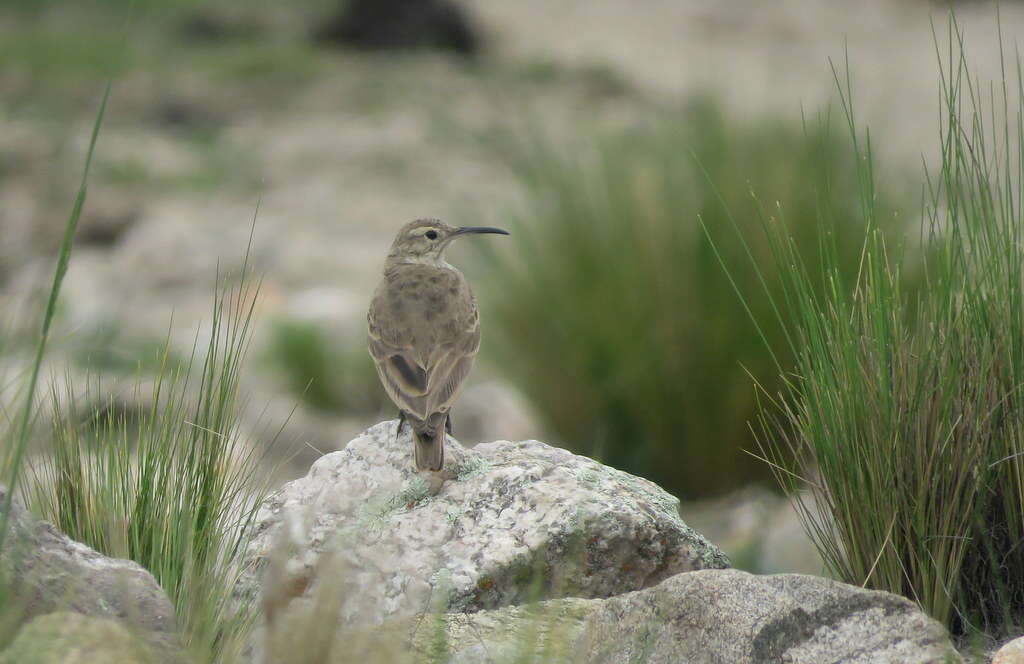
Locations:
(613, 314)
(905, 414)
(173, 487)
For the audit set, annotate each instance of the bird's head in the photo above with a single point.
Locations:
(425, 240)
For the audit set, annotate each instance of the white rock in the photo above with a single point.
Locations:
(1010, 653)
(515, 521)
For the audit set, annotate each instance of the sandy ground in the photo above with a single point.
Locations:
(770, 56)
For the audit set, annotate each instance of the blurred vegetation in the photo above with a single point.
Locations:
(613, 313)
(108, 350)
(904, 416)
(325, 374)
(50, 48)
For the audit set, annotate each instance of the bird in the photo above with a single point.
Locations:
(423, 332)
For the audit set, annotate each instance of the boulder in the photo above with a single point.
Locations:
(1010, 653)
(48, 572)
(512, 522)
(705, 617)
(73, 638)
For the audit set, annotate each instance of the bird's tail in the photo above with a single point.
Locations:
(429, 448)
(428, 444)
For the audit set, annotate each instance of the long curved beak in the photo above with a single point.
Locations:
(466, 230)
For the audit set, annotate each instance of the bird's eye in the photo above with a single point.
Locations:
(431, 235)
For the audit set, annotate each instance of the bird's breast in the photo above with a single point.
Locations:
(425, 304)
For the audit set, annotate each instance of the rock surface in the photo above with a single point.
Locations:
(73, 638)
(51, 572)
(707, 617)
(1010, 653)
(515, 521)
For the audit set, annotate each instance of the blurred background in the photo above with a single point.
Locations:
(599, 132)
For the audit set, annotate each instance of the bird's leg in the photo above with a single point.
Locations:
(401, 423)
(448, 425)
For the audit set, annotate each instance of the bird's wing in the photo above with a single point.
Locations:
(423, 383)
(401, 367)
(402, 376)
(450, 369)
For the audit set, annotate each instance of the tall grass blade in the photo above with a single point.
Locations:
(15, 455)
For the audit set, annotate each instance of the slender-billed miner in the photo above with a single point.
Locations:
(424, 332)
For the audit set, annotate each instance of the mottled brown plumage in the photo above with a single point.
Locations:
(424, 332)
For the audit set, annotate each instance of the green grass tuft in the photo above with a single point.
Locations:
(904, 415)
(611, 311)
(173, 488)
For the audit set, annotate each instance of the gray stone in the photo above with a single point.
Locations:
(73, 638)
(1010, 653)
(707, 617)
(514, 522)
(47, 572)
